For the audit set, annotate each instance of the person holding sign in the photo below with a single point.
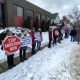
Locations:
(10, 57)
(32, 34)
(23, 46)
(55, 36)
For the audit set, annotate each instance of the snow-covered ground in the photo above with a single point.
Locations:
(1, 30)
(3, 57)
(48, 64)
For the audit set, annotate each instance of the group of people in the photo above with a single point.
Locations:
(75, 35)
(55, 35)
(36, 38)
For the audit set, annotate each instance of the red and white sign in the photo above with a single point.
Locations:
(11, 44)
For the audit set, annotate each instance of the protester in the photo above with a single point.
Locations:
(73, 34)
(55, 36)
(38, 36)
(23, 46)
(50, 37)
(32, 34)
(10, 57)
(60, 35)
(66, 32)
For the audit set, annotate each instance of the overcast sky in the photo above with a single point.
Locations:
(63, 7)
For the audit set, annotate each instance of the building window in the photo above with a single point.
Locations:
(18, 16)
(36, 15)
(29, 13)
(0, 13)
(18, 11)
(2, 16)
(47, 18)
(43, 17)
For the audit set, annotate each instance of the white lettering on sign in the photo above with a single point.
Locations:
(8, 45)
(11, 44)
(12, 40)
(13, 48)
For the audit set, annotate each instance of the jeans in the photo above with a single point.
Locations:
(10, 60)
(49, 45)
(33, 48)
(22, 53)
(72, 38)
(39, 45)
(54, 41)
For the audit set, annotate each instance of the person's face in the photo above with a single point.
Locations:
(39, 29)
(33, 29)
(23, 32)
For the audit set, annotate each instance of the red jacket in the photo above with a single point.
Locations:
(33, 37)
(50, 36)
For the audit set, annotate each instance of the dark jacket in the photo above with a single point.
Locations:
(73, 33)
(59, 31)
(50, 35)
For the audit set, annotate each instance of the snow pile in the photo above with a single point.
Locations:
(1, 30)
(48, 64)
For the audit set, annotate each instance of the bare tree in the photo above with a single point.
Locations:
(75, 17)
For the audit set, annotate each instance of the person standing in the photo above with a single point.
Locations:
(10, 57)
(73, 34)
(55, 36)
(50, 37)
(32, 34)
(59, 36)
(39, 38)
(23, 46)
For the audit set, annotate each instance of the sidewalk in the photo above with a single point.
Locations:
(3, 66)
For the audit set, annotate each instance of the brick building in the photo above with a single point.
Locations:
(14, 12)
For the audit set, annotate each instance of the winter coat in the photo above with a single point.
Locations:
(41, 35)
(59, 31)
(62, 31)
(24, 42)
(38, 36)
(33, 37)
(50, 35)
(73, 33)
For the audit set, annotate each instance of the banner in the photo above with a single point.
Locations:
(28, 40)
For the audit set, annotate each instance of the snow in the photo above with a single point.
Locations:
(3, 57)
(1, 30)
(47, 64)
